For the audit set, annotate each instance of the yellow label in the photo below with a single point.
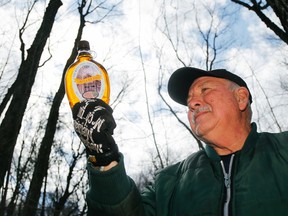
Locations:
(88, 79)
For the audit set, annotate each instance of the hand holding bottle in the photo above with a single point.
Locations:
(86, 80)
(94, 124)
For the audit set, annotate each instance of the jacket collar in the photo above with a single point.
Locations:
(249, 143)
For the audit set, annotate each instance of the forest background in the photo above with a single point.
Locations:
(140, 43)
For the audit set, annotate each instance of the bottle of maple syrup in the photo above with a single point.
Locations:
(86, 79)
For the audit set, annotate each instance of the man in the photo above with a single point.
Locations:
(240, 171)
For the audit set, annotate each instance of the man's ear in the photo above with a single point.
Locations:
(242, 95)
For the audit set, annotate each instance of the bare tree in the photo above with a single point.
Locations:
(213, 48)
(159, 155)
(13, 191)
(21, 88)
(85, 9)
(60, 202)
(280, 8)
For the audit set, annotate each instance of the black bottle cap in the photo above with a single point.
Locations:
(83, 45)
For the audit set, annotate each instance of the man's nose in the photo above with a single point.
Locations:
(194, 103)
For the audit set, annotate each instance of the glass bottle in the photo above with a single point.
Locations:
(86, 79)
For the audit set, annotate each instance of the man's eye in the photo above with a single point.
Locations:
(204, 89)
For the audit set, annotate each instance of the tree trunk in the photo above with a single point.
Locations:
(42, 161)
(11, 123)
(280, 8)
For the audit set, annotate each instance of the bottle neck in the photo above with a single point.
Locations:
(84, 53)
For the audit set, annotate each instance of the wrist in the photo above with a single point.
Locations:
(105, 158)
(106, 168)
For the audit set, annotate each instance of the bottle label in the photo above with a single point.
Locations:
(88, 81)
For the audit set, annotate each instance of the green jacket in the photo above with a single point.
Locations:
(196, 186)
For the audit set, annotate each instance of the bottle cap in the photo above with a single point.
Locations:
(83, 45)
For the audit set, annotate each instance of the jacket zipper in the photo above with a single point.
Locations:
(227, 182)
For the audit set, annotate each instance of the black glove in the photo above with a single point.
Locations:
(94, 124)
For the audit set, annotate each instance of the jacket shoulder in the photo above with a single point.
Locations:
(191, 162)
(276, 140)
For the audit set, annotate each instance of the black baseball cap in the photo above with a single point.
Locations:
(181, 80)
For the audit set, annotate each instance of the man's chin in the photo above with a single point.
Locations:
(197, 133)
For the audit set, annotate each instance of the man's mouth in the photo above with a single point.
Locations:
(200, 111)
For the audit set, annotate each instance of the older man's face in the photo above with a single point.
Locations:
(212, 107)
